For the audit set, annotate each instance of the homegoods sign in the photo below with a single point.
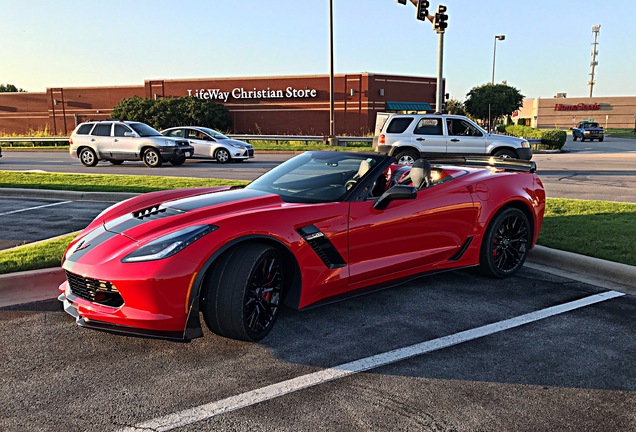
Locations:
(579, 107)
(242, 93)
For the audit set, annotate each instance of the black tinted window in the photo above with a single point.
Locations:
(399, 125)
(85, 129)
(177, 133)
(429, 126)
(121, 130)
(102, 129)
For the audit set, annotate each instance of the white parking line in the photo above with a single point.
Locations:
(202, 412)
(35, 208)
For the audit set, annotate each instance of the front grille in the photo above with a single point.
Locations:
(93, 290)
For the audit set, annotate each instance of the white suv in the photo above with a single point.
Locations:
(410, 136)
(118, 141)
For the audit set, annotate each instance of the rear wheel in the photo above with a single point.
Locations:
(88, 157)
(243, 295)
(406, 157)
(152, 158)
(222, 155)
(506, 243)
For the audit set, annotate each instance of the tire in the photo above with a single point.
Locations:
(116, 162)
(573, 137)
(242, 297)
(406, 157)
(152, 158)
(178, 160)
(222, 155)
(601, 139)
(506, 154)
(582, 139)
(88, 157)
(506, 243)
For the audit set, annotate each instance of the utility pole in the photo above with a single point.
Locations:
(595, 30)
(332, 136)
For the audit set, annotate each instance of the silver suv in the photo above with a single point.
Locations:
(118, 141)
(410, 136)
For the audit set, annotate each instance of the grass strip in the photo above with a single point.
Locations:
(45, 254)
(598, 229)
(105, 182)
(621, 132)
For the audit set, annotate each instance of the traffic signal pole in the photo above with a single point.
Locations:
(439, 96)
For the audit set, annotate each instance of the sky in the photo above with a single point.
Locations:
(65, 43)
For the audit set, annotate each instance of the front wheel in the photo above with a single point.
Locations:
(505, 153)
(222, 155)
(152, 158)
(601, 139)
(406, 157)
(88, 157)
(243, 295)
(573, 137)
(506, 243)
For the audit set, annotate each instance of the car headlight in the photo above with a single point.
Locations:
(525, 144)
(170, 244)
(170, 143)
(239, 146)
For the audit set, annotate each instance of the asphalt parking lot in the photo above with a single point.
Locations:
(569, 371)
(28, 220)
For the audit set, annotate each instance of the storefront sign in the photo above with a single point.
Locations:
(241, 93)
(579, 107)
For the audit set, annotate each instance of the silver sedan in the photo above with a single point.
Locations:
(210, 144)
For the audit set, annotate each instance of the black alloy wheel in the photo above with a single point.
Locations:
(506, 243)
(242, 297)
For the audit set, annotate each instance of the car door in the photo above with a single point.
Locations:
(201, 142)
(100, 139)
(464, 137)
(428, 135)
(124, 147)
(409, 236)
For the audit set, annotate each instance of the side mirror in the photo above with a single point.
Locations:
(397, 192)
(129, 134)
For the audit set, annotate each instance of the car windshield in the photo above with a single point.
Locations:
(316, 176)
(213, 133)
(591, 125)
(144, 130)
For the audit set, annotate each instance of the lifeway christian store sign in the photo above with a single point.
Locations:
(242, 93)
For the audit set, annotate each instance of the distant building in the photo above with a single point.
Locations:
(264, 105)
(564, 112)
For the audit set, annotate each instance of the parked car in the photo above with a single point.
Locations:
(410, 136)
(118, 141)
(588, 130)
(319, 227)
(210, 144)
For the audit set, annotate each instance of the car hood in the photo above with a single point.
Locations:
(233, 141)
(166, 217)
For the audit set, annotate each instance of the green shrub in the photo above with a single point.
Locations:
(553, 139)
(523, 131)
(521, 122)
(501, 128)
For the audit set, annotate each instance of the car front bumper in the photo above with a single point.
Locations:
(169, 153)
(524, 153)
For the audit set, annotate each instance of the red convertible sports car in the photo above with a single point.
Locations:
(319, 227)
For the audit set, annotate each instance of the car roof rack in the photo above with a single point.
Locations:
(492, 161)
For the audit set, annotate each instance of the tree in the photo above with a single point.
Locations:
(489, 102)
(454, 106)
(170, 112)
(10, 88)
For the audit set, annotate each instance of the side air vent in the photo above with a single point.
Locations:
(325, 250)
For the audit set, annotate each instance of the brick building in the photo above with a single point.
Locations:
(265, 105)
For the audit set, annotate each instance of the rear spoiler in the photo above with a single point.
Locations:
(486, 161)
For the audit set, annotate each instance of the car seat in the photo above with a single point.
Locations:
(421, 174)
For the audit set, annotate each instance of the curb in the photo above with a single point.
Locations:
(37, 285)
(65, 195)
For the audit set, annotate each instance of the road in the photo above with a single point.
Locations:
(589, 170)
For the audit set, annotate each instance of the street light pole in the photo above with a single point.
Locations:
(494, 54)
(331, 79)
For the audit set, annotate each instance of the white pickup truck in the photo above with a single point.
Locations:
(411, 136)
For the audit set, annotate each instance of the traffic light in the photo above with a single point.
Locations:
(422, 9)
(401, 1)
(440, 23)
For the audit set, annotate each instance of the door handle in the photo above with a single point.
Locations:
(455, 140)
(420, 139)
(92, 139)
(116, 140)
